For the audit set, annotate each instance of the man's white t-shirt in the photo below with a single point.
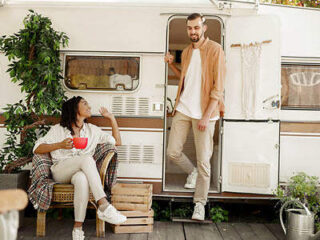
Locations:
(190, 100)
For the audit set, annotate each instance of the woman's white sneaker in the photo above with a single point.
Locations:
(77, 234)
(111, 215)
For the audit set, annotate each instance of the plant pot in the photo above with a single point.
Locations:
(14, 181)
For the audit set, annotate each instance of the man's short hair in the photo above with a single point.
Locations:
(194, 16)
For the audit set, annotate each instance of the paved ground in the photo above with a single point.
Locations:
(61, 230)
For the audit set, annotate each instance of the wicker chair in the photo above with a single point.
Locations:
(62, 197)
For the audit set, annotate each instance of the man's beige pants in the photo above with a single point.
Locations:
(203, 140)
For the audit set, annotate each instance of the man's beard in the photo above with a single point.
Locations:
(194, 40)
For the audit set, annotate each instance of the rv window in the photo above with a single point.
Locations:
(300, 86)
(106, 73)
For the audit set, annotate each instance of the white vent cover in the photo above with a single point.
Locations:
(143, 106)
(148, 154)
(136, 153)
(117, 105)
(130, 106)
(249, 174)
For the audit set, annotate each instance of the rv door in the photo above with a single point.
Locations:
(250, 137)
(253, 72)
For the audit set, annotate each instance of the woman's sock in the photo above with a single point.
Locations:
(103, 206)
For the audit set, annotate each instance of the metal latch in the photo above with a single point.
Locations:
(221, 131)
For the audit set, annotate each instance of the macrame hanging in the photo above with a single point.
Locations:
(250, 75)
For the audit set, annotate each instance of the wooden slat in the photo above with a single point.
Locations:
(138, 185)
(245, 231)
(131, 206)
(189, 220)
(156, 186)
(131, 191)
(276, 230)
(149, 213)
(244, 197)
(138, 236)
(41, 224)
(167, 231)
(130, 199)
(100, 227)
(58, 187)
(132, 122)
(137, 221)
(262, 231)
(202, 231)
(300, 127)
(112, 236)
(227, 231)
(135, 229)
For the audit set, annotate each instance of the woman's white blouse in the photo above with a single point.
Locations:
(57, 133)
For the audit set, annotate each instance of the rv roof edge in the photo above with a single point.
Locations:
(218, 4)
(134, 3)
(186, 14)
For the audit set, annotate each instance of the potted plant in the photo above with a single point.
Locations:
(304, 188)
(34, 58)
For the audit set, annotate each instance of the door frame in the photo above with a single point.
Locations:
(222, 37)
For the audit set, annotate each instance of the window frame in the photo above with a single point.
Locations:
(300, 61)
(100, 54)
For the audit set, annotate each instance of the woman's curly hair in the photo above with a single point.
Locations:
(69, 113)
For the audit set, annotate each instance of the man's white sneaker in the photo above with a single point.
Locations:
(192, 179)
(111, 215)
(77, 234)
(198, 213)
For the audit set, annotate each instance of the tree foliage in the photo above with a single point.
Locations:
(299, 3)
(35, 66)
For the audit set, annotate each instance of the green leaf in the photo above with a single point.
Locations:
(6, 115)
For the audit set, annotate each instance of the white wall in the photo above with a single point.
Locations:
(103, 29)
(300, 32)
(299, 154)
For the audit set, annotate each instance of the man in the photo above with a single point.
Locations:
(199, 103)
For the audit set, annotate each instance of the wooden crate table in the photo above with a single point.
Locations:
(134, 201)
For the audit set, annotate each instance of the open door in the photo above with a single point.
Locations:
(264, 90)
(250, 139)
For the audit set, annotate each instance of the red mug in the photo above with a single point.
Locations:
(80, 142)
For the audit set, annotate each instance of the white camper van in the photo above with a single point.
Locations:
(115, 58)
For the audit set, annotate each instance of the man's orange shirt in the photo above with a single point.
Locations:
(213, 70)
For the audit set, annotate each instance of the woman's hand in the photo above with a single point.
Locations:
(105, 113)
(114, 125)
(66, 144)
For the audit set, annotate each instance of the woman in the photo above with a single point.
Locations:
(77, 166)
